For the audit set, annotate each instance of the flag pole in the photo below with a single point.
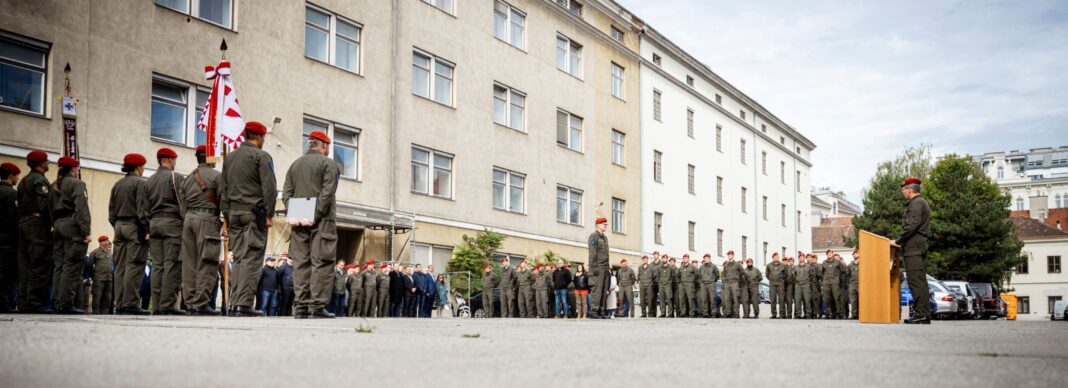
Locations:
(225, 226)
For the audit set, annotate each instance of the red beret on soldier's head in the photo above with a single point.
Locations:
(384, 266)
(166, 153)
(134, 159)
(36, 156)
(730, 252)
(201, 149)
(10, 168)
(910, 181)
(320, 136)
(602, 220)
(68, 161)
(255, 128)
(102, 239)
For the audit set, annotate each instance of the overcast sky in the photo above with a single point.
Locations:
(867, 79)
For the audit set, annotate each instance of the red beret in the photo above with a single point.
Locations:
(730, 252)
(36, 156)
(68, 161)
(166, 153)
(370, 262)
(102, 239)
(910, 181)
(202, 149)
(11, 168)
(384, 266)
(255, 128)
(602, 220)
(320, 136)
(134, 159)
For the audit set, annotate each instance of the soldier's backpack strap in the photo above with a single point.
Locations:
(204, 188)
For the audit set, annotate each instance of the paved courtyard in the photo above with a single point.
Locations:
(54, 351)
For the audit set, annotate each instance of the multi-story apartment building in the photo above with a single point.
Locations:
(1036, 181)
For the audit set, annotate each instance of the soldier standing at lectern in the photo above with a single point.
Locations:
(915, 227)
(598, 261)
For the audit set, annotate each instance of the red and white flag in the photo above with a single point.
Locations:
(222, 120)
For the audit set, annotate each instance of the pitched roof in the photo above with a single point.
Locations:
(831, 235)
(1028, 228)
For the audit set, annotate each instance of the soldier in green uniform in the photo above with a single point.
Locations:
(165, 228)
(369, 280)
(526, 295)
(35, 234)
(646, 279)
(508, 281)
(102, 276)
(9, 234)
(626, 278)
(776, 273)
(131, 234)
(788, 289)
(248, 192)
(687, 278)
(707, 275)
(915, 229)
(382, 310)
(751, 289)
(656, 265)
(801, 288)
(814, 272)
(354, 282)
(732, 277)
(832, 273)
(201, 235)
(71, 222)
(488, 284)
(313, 242)
(854, 286)
(541, 292)
(598, 266)
(664, 275)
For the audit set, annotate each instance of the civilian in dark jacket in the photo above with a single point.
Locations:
(561, 281)
(431, 291)
(396, 291)
(269, 280)
(410, 292)
(421, 288)
(286, 293)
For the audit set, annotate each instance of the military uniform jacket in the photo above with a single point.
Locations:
(598, 254)
(802, 275)
(776, 274)
(191, 194)
(732, 272)
(339, 281)
(791, 274)
(35, 197)
(647, 275)
(161, 195)
(508, 278)
(9, 214)
(355, 283)
(69, 199)
(125, 201)
(487, 282)
(247, 181)
(664, 275)
(369, 280)
(814, 272)
(708, 273)
(915, 227)
(101, 265)
(313, 176)
(753, 277)
(626, 277)
(383, 282)
(832, 272)
(524, 278)
(540, 281)
(688, 274)
(854, 273)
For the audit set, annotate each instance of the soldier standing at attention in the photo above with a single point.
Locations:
(131, 234)
(383, 291)
(654, 302)
(814, 271)
(831, 276)
(162, 205)
(369, 280)
(626, 279)
(687, 279)
(541, 291)
(801, 289)
(646, 278)
(354, 282)
(915, 228)
(732, 276)
(9, 234)
(313, 243)
(102, 276)
(664, 276)
(791, 279)
(526, 295)
(35, 234)
(843, 287)
(248, 192)
(508, 281)
(488, 284)
(71, 223)
(201, 235)
(776, 273)
(708, 275)
(751, 293)
(854, 286)
(598, 260)
(676, 306)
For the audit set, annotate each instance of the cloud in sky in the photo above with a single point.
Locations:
(866, 79)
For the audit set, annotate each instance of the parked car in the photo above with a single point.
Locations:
(947, 303)
(1060, 311)
(974, 300)
(993, 306)
(907, 300)
(479, 311)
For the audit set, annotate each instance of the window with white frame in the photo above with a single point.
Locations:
(568, 205)
(741, 113)
(797, 181)
(743, 151)
(658, 226)
(719, 190)
(618, 142)
(23, 72)
(782, 214)
(745, 193)
(571, 5)
(219, 12)
(617, 34)
(719, 138)
(689, 81)
(691, 173)
(331, 39)
(175, 114)
(568, 130)
(617, 81)
(657, 166)
(692, 238)
(619, 215)
(764, 208)
(568, 56)
(745, 246)
(428, 254)
(782, 172)
(344, 147)
(509, 24)
(689, 122)
(444, 5)
(656, 105)
(719, 99)
(798, 221)
(509, 190)
(656, 59)
(432, 77)
(431, 172)
(509, 107)
(719, 242)
(764, 128)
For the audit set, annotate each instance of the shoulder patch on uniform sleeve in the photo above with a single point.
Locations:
(270, 165)
(43, 189)
(593, 242)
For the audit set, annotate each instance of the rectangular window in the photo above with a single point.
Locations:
(427, 254)
(432, 77)
(764, 162)
(1023, 268)
(617, 81)
(745, 246)
(657, 163)
(569, 56)
(689, 81)
(745, 193)
(763, 128)
(617, 34)
(782, 140)
(719, 138)
(509, 107)
(618, 141)
(742, 114)
(431, 172)
(568, 205)
(742, 143)
(568, 130)
(331, 39)
(1023, 304)
(782, 214)
(765, 251)
(1053, 264)
(719, 99)
(656, 59)
(719, 242)
(509, 24)
(689, 122)
(175, 114)
(444, 5)
(656, 105)
(509, 190)
(571, 5)
(619, 215)
(215, 11)
(782, 172)
(797, 182)
(719, 190)
(23, 72)
(764, 208)
(344, 148)
(691, 174)
(798, 221)
(658, 224)
(692, 229)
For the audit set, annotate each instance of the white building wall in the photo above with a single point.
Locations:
(1038, 284)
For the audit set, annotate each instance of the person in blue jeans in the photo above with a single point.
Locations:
(270, 279)
(561, 281)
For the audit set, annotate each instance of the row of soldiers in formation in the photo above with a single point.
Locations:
(176, 220)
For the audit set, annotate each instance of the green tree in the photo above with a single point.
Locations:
(973, 238)
(883, 202)
(471, 256)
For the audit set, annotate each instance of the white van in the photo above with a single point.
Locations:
(1060, 307)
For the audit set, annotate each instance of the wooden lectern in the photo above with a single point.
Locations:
(880, 279)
